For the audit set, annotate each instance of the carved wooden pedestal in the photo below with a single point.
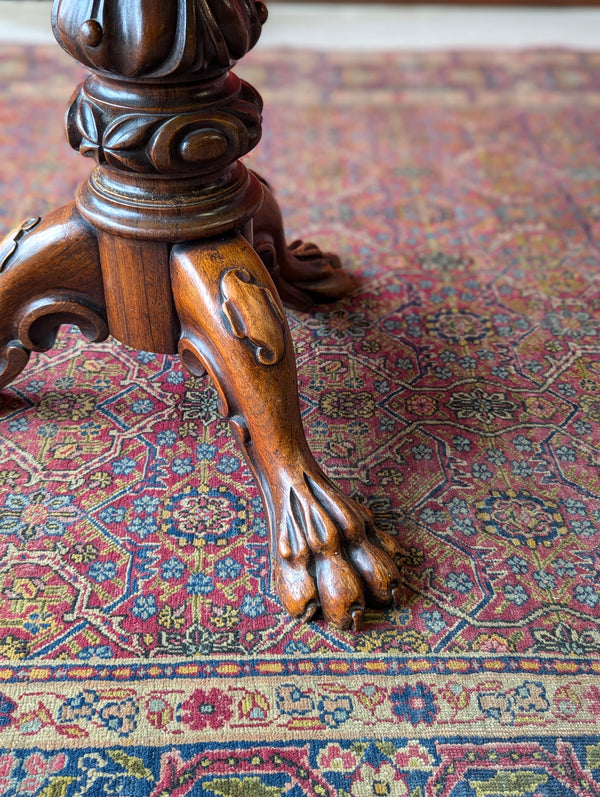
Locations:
(172, 245)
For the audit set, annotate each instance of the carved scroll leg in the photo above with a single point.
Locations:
(49, 275)
(302, 273)
(325, 550)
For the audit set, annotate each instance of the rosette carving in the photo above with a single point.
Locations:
(199, 141)
(146, 39)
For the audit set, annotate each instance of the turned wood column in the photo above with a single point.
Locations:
(166, 123)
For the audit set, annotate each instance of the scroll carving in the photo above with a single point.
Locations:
(41, 318)
(38, 325)
(253, 314)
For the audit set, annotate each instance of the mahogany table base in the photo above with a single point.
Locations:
(172, 246)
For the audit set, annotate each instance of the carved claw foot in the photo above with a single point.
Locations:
(327, 554)
(49, 275)
(325, 550)
(302, 273)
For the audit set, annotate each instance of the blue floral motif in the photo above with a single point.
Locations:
(582, 427)
(175, 378)
(460, 582)
(228, 464)
(414, 704)
(253, 606)
(461, 443)
(443, 373)
(172, 569)
(518, 565)
(113, 514)
(544, 579)
(142, 406)
(533, 366)
(228, 568)
(200, 584)
(182, 466)
(458, 507)
(145, 357)
(206, 451)
(521, 468)
(481, 471)
(584, 527)
(574, 507)
(123, 466)
(143, 526)
(144, 607)
(585, 593)
(430, 516)
(146, 503)
(564, 567)
(18, 425)
(515, 593)
(102, 571)
(48, 430)
(500, 371)
(522, 444)
(421, 452)
(567, 390)
(465, 526)
(166, 438)
(434, 621)
(495, 456)
(566, 454)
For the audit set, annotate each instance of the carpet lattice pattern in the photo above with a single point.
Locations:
(457, 392)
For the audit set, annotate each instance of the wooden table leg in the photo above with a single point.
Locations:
(324, 548)
(154, 251)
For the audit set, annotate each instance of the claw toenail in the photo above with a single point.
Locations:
(309, 612)
(357, 618)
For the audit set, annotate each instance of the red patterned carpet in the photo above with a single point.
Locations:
(457, 392)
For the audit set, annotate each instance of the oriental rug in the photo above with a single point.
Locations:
(456, 392)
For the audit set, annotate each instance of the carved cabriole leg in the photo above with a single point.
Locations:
(49, 275)
(325, 550)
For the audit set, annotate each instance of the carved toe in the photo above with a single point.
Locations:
(296, 589)
(340, 591)
(379, 573)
